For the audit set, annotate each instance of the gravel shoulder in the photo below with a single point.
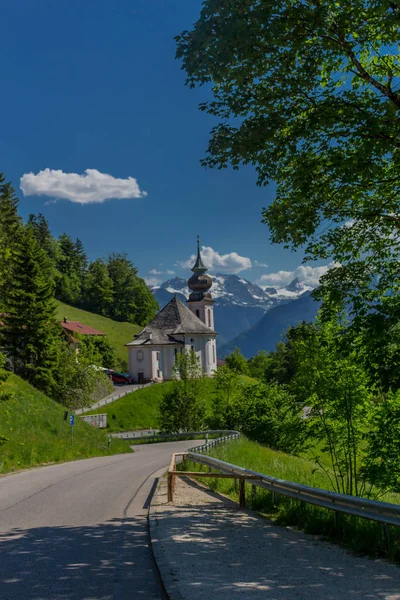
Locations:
(206, 549)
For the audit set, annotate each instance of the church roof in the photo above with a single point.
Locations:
(174, 319)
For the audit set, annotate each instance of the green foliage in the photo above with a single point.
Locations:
(382, 461)
(36, 432)
(10, 224)
(337, 388)
(4, 375)
(132, 300)
(97, 350)
(30, 335)
(307, 93)
(270, 415)
(78, 381)
(183, 408)
(228, 386)
(99, 288)
(237, 362)
(258, 364)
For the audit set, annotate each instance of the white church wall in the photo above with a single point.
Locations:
(139, 361)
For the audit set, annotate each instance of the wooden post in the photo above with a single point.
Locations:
(171, 479)
(242, 493)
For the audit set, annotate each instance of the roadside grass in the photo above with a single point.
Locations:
(36, 434)
(359, 535)
(140, 409)
(118, 333)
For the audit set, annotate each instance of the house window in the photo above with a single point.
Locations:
(192, 347)
(197, 313)
(158, 356)
(176, 352)
(158, 373)
(140, 356)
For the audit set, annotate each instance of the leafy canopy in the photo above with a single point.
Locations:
(308, 93)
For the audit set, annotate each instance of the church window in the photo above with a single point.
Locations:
(214, 352)
(140, 356)
(197, 313)
(209, 317)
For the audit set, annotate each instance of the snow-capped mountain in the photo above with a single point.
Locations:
(239, 303)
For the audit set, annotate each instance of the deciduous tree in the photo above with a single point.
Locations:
(308, 93)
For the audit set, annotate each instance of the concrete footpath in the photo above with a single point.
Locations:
(207, 549)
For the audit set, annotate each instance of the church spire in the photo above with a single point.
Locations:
(199, 266)
(199, 283)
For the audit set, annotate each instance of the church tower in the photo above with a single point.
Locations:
(200, 300)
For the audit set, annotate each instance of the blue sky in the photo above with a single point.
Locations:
(93, 84)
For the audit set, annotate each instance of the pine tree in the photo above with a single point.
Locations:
(133, 301)
(30, 336)
(99, 288)
(41, 230)
(10, 223)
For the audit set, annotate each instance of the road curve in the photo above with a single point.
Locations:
(78, 531)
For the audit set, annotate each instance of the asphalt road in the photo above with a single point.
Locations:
(78, 531)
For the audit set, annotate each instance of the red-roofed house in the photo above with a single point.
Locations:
(77, 327)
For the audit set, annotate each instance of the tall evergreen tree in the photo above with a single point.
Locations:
(69, 287)
(41, 230)
(133, 301)
(30, 335)
(99, 288)
(10, 223)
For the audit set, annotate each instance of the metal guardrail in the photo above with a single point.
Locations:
(382, 512)
(134, 435)
(108, 400)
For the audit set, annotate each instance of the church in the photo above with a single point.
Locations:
(177, 328)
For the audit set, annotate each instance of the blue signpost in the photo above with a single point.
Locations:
(72, 423)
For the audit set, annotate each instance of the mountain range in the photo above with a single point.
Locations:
(240, 306)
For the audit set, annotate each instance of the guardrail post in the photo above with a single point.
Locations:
(242, 493)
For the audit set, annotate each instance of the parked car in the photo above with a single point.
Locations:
(119, 377)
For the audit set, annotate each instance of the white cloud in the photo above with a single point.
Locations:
(89, 188)
(224, 263)
(152, 281)
(157, 272)
(304, 273)
(259, 264)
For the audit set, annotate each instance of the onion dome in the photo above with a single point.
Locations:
(199, 283)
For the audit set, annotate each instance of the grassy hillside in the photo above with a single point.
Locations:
(36, 433)
(139, 410)
(118, 333)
